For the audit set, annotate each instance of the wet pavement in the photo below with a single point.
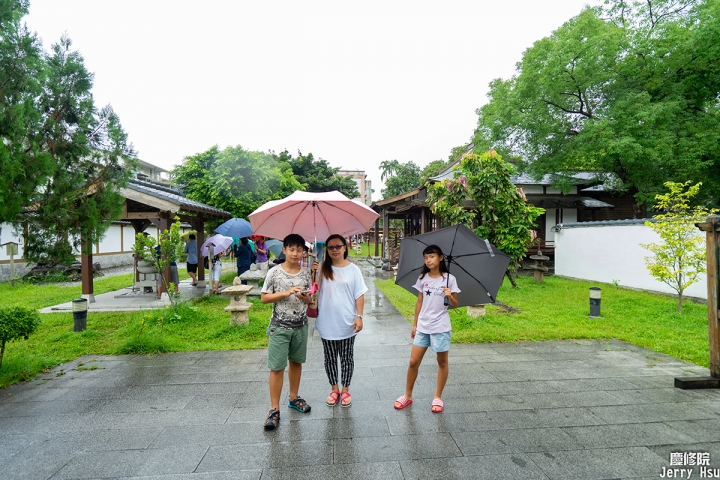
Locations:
(530, 410)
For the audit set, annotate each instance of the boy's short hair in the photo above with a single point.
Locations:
(293, 240)
(191, 236)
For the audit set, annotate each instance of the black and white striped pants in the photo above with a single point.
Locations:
(343, 349)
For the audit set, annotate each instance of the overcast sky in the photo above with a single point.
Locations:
(353, 82)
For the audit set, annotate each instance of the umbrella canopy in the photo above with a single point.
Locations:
(186, 236)
(313, 216)
(477, 265)
(221, 243)
(235, 227)
(275, 246)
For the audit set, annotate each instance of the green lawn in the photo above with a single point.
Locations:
(559, 308)
(198, 325)
(556, 309)
(366, 249)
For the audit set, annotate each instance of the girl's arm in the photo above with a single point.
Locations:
(418, 306)
(359, 308)
(452, 297)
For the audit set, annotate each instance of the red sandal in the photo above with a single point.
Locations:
(333, 398)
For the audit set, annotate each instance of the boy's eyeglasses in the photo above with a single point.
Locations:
(335, 247)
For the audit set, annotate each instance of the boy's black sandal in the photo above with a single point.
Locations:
(273, 419)
(299, 404)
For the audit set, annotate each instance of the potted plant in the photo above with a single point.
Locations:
(144, 250)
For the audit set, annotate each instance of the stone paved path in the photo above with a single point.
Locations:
(535, 410)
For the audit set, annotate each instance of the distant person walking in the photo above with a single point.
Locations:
(216, 272)
(243, 254)
(261, 250)
(431, 327)
(341, 301)
(191, 248)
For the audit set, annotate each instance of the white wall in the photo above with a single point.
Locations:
(613, 252)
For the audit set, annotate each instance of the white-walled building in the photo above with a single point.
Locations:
(363, 183)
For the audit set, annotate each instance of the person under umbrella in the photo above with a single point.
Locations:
(341, 302)
(431, 327)
(243, 254)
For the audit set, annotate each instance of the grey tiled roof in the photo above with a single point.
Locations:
(578, 178)
(175, 196)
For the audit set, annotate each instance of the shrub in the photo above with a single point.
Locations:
(16, 322)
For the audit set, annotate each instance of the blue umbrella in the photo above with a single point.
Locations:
(274, 246)
(235, 227)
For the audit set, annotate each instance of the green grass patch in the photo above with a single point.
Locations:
(558, 309)
(200, 324)
(365, 250)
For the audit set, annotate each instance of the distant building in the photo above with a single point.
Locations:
(363, 184)
(153, 173)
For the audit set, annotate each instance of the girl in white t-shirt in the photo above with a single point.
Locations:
(432, 324)
(341, 299)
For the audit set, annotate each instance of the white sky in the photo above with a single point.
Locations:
(353, 82)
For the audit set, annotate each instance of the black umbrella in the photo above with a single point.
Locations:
(477, 265)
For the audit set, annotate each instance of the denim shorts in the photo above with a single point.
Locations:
(440, 342)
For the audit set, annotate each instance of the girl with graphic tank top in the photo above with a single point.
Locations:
(431, 327)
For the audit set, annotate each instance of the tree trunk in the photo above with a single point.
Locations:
(680, 300)
(510, 277)
(2, 351)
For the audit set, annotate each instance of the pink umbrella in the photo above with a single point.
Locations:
(313, 216)
(221, 243)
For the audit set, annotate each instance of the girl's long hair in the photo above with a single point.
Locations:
(327, 271)
(438, 251)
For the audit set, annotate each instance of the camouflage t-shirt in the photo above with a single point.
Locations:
(290, 312)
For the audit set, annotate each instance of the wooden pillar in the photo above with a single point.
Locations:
(386, 232)
(423, 220)
(712, 241)
(87, 272)
(200, 227)
(377, 236)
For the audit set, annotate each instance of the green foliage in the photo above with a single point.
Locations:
(235, 179)
(681, 256)
(557, 309)
(399, 177)
(318, 176)
(432, 169)
(15, 323)
(92, 161)
(22, 76)
(630, 90)
(171, 246)
(501, 213)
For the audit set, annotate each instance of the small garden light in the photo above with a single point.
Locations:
(595, 293)
(79, 309)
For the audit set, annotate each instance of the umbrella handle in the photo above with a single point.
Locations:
(446, 300)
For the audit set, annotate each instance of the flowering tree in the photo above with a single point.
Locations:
(681, 256)
(501, 212)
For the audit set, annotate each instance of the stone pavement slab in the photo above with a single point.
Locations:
(530, 410)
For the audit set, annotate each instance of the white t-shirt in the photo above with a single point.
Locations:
(434, 317)
(336, 302)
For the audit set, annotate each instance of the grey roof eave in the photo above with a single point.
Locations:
(168, 194)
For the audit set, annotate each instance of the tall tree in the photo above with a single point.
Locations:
(501, 213)
(92, 158)
(631, 90)
(235, 179)
(319, 176)
(23, 163)
(399, 177)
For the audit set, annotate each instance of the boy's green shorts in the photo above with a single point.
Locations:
(285, 344)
